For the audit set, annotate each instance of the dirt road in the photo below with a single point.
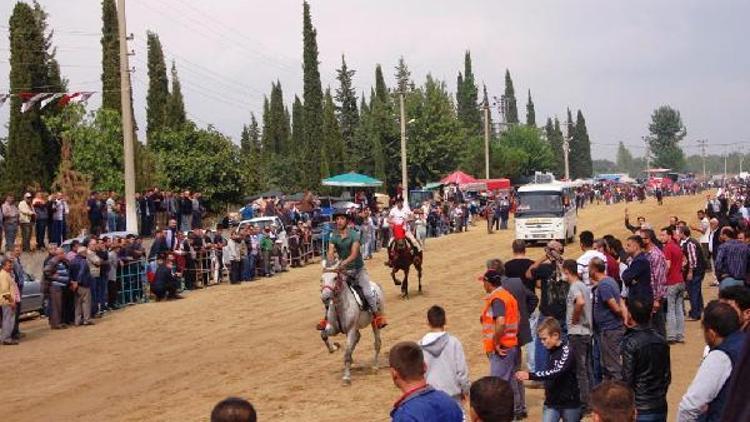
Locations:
(173, 361)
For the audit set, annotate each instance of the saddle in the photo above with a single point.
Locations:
(359, 295)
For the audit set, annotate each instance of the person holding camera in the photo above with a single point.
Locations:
(546, 274)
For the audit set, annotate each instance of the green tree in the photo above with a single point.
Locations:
(486, 102)
(158, 87)
(203, 160)
(555, 140)
(384, 133)
(313, 103)
(624, 158)
(603, 166)
(666, 132)
(334, 154)
(435, 135)
(110, 57)
(509, 99)
(537, 154)
(346, 109)
(403, 76)
(466, 99)
(175, 109)
(32, 154)
(530, 112)
(276, 135)
(581, 166)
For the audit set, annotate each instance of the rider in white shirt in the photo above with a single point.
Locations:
(401, 214)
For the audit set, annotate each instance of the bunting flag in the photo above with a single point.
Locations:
(50, 99)
(30, 101)
(44, 99)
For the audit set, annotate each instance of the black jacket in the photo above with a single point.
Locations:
(646, 368)
(560, 382)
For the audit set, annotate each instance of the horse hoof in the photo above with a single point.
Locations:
(397, 283)
(346, 381)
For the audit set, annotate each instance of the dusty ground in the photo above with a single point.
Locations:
(174, 361)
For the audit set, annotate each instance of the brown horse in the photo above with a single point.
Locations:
(402, 257)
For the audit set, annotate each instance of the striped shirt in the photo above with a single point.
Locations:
(658, 272)
(731, 259)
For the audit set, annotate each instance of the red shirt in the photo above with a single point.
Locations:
(673, 254)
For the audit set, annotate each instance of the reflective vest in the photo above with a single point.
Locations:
(512, 316)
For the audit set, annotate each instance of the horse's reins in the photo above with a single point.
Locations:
(335, 289)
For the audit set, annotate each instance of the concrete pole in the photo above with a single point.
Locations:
(486, 141)
(127, 121)
(566, 151)
(404, 179)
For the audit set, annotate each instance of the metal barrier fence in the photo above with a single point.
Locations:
(132, 282)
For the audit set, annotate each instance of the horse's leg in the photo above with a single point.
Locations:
(419, 273)
(378, 342)
(332, 347)
(351, 343)
(405, 285)
(393, 276)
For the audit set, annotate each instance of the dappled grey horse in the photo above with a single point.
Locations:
(345, 316)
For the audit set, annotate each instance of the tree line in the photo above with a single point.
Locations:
(296, 141)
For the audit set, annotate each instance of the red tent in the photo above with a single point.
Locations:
(496, 184)
(459, 178)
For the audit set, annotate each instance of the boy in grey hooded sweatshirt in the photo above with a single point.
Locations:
(446, 364)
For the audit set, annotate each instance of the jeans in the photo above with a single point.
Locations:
(551, 414)
(102, 293)
(57, 235)
(9, 319)
(651, 417)
(10, 235)
(609, 347)
(26, 236)
(186, 221)
(676, 312)
(581, 353)
(505, 367)
(531, 347)
(696, 294)
(658, 321)
(41, 228)
(111, 222)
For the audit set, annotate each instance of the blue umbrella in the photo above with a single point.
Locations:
(352, 180)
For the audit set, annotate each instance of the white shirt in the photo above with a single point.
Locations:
(583, 264)
(399, 216)
(706, 229)
(708, 382)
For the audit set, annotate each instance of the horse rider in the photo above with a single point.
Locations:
(345, 243)
(402, 215)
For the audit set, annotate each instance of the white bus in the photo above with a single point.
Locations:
(546, 211)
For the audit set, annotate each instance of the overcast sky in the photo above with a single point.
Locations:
(615, 60)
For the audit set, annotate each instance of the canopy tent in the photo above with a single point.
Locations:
(352, 180)
(458, 177)
(496, 184)
(433, 186)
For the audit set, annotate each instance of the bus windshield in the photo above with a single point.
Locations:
(539, 204)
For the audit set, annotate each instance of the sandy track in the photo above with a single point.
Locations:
(173, 361)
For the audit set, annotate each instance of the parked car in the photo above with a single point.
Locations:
(263, 222)
(32, 297)
(111, 235)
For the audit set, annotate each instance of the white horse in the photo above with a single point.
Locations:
(345, 316)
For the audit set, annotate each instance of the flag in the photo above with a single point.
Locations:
(76, 97)
(51, 98)
(30, 101)
(3, 98)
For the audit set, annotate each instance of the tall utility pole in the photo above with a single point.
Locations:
(566, 151)
(404, 181)
(127, 121)
(486, 140)
(702, 143)
(648, 155)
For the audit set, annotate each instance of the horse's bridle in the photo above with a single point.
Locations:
(337, 287)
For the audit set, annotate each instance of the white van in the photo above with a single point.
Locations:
(546, 211)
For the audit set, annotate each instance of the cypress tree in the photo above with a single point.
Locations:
(266, 124)
(28, 150)
(555, 139)
(158, 87)
(531, 113)
(466, 99)
(298, 127)
(346, 107)
(511, 110)
(403, 76)
(313, 101)
(110, 57)
(580, 150)
(332, 161)
(175, 113)
(278, 129)
(385, 132)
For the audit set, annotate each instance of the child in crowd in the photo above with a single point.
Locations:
(446, 364)
(561, 395)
